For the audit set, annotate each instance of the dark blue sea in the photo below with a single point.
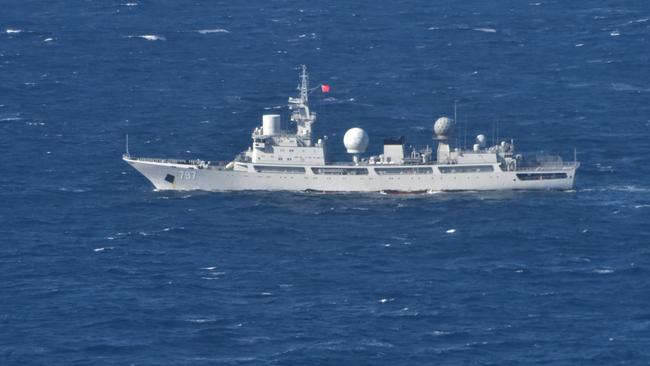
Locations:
(97, 268)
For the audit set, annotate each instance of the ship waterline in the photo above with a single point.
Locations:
(193, 175)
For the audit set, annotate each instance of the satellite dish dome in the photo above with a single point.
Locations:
(356, 140)
(443, 127)
(480, 140)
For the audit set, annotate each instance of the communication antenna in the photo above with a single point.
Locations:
(465, 133)
(127, 144)
(498, 121)
(456, 121)
(493, 123)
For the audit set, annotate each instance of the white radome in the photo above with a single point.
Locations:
(480, 140)
(356, 140)
(443, 126)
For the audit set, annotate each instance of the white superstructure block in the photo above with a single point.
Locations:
(271, 124)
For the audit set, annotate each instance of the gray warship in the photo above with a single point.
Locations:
(296, 161)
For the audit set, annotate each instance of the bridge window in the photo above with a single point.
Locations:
(404, 170)
(466, 169)
(541, 176)
(279, 169)
(340, 171)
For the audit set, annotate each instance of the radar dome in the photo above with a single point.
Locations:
(443, 126)
(356, 140)
(480, 140)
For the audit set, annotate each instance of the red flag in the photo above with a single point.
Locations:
(325, 88)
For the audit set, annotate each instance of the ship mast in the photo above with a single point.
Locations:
(304, 86)
(300, 113)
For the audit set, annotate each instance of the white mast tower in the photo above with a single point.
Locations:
(301, 114)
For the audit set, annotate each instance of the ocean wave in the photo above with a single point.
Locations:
(636, 21)
(13, 31)
(200, 320)
(375, 343)
(210, 31)
(485, 30)
(73, 190)
(628, 87)
(102, 249)
(439, 333)
(149, 37)
(10, 119)
(603, 270)
(629, 188)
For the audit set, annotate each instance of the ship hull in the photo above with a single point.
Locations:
(177, 176)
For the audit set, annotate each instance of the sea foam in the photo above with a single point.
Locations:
(209, 31)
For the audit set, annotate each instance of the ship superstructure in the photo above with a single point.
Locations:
(294, 160)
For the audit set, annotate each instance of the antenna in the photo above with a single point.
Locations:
(304, 84)
(456, 120)
(465, 134)
(493, 123)
(127, 144)
(498, 130)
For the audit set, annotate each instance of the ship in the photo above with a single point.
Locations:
(294, 160)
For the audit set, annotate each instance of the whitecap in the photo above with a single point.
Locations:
(210, 31)
(376, 343)
(200, 320)
(266, 293)
(438, 333)
(641, 206)
(131, 4)
(615, 33)
(149, 37)
(48, 40)
(451, 231)
(486, 30)
(603, 271)
(209, 268)
(13, 31)
(628, 87)
(629, 188)
(99, 249)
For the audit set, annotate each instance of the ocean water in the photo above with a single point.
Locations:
(96, 268)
